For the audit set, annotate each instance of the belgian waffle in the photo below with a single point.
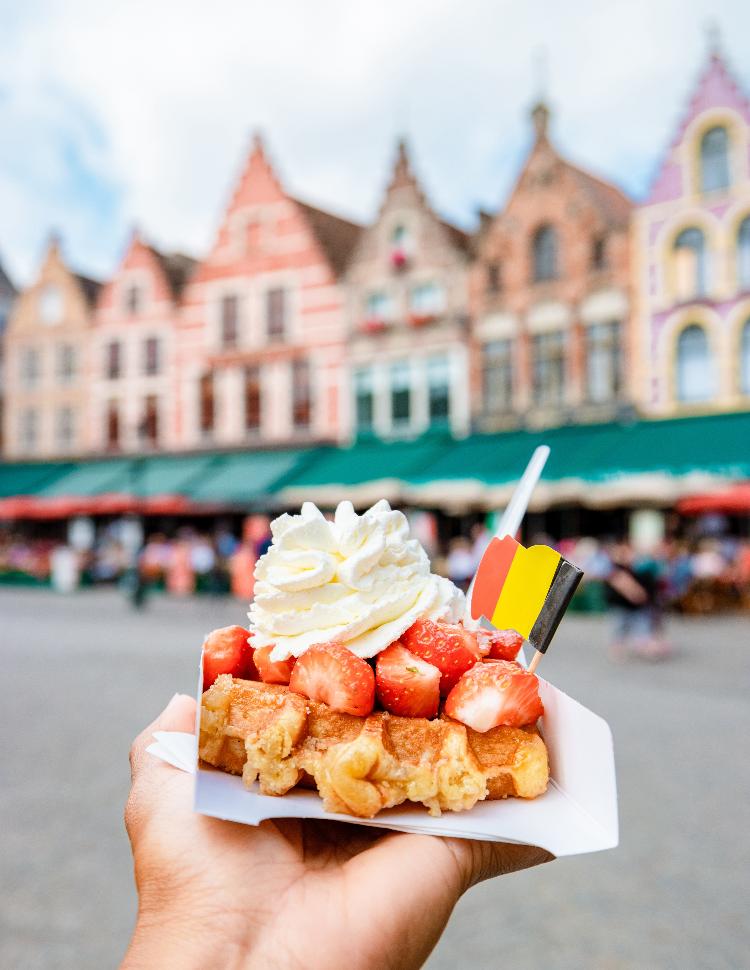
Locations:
(361, 765)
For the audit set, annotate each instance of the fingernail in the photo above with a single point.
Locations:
(171, 704)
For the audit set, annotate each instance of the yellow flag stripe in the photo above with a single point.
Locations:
(525, 590)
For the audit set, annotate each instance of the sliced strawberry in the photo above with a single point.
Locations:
(330, 673)
(493, 693)
(272, 671)
(228, 651)
(448, 646)
(405, 684)
(499, 644)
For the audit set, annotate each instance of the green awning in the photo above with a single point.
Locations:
(171, 474)
(89, 478)
(247, 477)
(22, 478)
(364, 472)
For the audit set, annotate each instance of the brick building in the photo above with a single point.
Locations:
(262, 332)
(46, 362)
(550, 297)
(133, 375)
(692, 247)
(7, 296)
(407, 312)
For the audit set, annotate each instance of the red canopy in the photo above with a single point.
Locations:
(733, 500)
(111, 503)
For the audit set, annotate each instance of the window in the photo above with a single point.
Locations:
(427, 299)
(252, 399)
(301, 394)
(112, 427)
(364, 399)
(149, 426)
(544, 254)
(50, 305)
(549, 368)
(64, 428)
(30, 367)
(29, 429)
(276, 310)
(695, 379)
(745, 358)
(690, 264)
(229, 322)
(113, 360)
(400, 394)
(599, 253)
(603, 362)
(378, 306)
(206, 405)
(66, 363)
(497, 376)
(133, 299)
(714, 160)
(401, 246)
(743, 254)
(494, 278)
(438, 389)
(151, 356)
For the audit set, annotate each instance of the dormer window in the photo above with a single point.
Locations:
(599, 253)
(544, 254)
(50, 305)
(400, 247)
(133, 299)
(494, 278)
(714, 154)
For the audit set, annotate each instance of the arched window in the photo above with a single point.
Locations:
(743, 254)
(695, 371)
(544, 254)
(714, 160)
(745, 358)
(690, 264)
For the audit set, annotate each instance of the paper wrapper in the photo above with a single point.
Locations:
(577, 814)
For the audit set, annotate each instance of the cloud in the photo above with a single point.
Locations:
(141, 112)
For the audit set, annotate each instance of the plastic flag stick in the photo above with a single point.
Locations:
(512, 517)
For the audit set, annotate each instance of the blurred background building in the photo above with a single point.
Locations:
(306, 356)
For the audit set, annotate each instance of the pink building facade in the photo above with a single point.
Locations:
(262, 333)
(133, 347)
(691, 253)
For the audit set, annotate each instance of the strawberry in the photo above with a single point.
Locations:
(272, 671)
(331, 673)
(499, 644)
(405, 684)
(448, 646)
(493, 693)
(228, 651)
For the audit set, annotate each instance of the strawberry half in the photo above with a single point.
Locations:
(494, 693)
(330, 673)
(272, 671)
(405, 684)
(499, 644)
(228, 651)
(448, 646)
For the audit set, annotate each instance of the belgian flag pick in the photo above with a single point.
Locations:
(526, 590)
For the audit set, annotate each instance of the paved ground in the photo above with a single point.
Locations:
(82, 675)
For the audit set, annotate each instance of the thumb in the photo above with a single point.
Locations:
(178, 715)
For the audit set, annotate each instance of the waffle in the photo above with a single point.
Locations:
(361, 765)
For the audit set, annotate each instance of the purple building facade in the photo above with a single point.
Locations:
(692, 258)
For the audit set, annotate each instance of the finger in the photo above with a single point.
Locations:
(485, 860)
(178, 715)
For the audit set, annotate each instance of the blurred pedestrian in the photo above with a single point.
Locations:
(460, 564)
(632, 592)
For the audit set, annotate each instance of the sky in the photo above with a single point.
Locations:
(140, 113)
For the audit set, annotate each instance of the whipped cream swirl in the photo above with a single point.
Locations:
(359, 580)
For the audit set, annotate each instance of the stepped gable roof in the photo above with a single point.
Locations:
(716, 87)
(337, 236)
(403, 176)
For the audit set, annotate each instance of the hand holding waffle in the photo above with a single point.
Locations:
(213, 893)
